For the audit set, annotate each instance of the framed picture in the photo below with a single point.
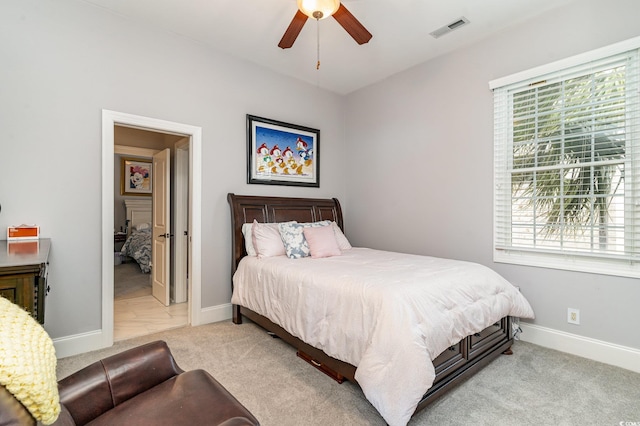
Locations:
(281, 153)
(135, 176)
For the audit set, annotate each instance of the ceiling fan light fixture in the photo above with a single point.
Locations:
(318, 9)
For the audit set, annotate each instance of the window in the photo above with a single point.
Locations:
(567, 164)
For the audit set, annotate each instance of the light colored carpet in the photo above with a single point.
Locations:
(130, 282)
(535, 386)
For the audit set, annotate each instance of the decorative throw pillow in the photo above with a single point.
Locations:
(248, 239)
(295, 244)
(322, 241)
(266, 239)
(343, 243)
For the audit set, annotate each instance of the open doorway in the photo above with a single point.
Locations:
(188, 182)
(149, 244)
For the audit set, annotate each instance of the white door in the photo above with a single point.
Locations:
(160, 252)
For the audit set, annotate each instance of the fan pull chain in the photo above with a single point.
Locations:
(318, 41)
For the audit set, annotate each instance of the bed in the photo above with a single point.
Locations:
(399, 377)
(138, 243)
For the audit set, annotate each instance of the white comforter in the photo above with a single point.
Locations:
(389, 314)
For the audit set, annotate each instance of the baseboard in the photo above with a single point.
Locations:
(597, 350)
(94, 340)
(78, 343)
(215, 313)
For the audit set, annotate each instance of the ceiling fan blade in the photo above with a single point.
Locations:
(293, 30)
(352, 25)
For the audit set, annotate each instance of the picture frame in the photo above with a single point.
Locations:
(136, 176)
(281, 153)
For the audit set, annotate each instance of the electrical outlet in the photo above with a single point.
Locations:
(573, 316)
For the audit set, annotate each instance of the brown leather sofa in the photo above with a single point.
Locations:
(141, 386)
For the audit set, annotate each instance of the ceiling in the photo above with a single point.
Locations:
(251, 30)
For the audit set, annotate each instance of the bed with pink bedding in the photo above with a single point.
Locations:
(406, 328)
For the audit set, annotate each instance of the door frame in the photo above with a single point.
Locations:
(194, 133)
(181, 222)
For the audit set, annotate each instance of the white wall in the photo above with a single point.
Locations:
(422, 142)
(64, 61)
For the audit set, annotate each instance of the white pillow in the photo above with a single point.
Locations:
(343, 243)
(296, 246)
(266, 239)
(248, 239)
(141, 226)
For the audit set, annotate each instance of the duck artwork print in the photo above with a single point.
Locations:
(283, 153)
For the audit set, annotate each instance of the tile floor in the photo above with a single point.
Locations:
(145, 315)
(136, 311)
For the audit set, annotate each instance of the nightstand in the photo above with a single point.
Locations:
(23, 274)
(118, 240)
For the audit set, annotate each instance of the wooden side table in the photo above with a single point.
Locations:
(23, 274)
(119, 239)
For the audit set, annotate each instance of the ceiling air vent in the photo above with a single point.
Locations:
(450, 27)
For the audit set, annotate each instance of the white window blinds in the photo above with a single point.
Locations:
(567, 166)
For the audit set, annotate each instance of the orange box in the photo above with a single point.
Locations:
(23, 232)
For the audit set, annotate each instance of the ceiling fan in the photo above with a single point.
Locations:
(320, 9)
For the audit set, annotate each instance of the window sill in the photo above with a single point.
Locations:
(569, 263)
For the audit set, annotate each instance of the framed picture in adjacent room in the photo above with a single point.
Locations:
(136, 176)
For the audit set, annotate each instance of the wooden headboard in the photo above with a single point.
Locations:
(246, 208)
